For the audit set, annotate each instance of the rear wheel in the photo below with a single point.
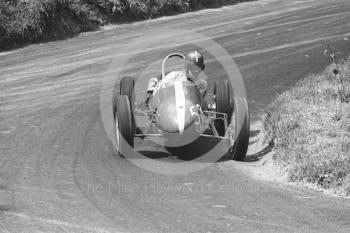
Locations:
(124, 128)
(127, 87)
(242, 142)
(238, 146)
(222, 101)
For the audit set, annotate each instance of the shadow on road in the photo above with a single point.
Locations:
(155, 154)
(254, 133)
(201, 146)
(259, 155)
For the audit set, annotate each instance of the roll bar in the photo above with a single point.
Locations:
(166, 59)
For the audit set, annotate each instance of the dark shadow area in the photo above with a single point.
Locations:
(195, 149)
(155, 154)
(257, 156)
(254, 133)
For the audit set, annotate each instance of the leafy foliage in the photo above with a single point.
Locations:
(23, 21)
(26, 21)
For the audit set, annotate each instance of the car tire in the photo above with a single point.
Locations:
(238, 149)
(124, 126)
(127, 85)
(223, 104)
(242, 142)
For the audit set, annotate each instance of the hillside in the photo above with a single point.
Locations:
(25, 21)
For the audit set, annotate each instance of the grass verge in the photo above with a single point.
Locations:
(310, 128)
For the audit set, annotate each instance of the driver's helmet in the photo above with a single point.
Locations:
(196, 58)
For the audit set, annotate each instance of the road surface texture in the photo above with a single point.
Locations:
(57, 170)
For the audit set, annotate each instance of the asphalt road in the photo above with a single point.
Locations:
(57, 170)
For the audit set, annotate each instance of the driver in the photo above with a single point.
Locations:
(194, 65)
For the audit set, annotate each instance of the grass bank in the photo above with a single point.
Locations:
(310, 128)
(26, 21)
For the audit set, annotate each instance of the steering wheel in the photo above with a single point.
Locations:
(166, 59)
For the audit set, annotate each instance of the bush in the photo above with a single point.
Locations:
(23, 21)
(28, 21)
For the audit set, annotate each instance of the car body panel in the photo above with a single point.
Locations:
(176, 105)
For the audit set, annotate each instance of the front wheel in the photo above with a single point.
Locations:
(124, 128)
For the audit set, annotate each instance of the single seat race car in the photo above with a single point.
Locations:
(177, 114)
